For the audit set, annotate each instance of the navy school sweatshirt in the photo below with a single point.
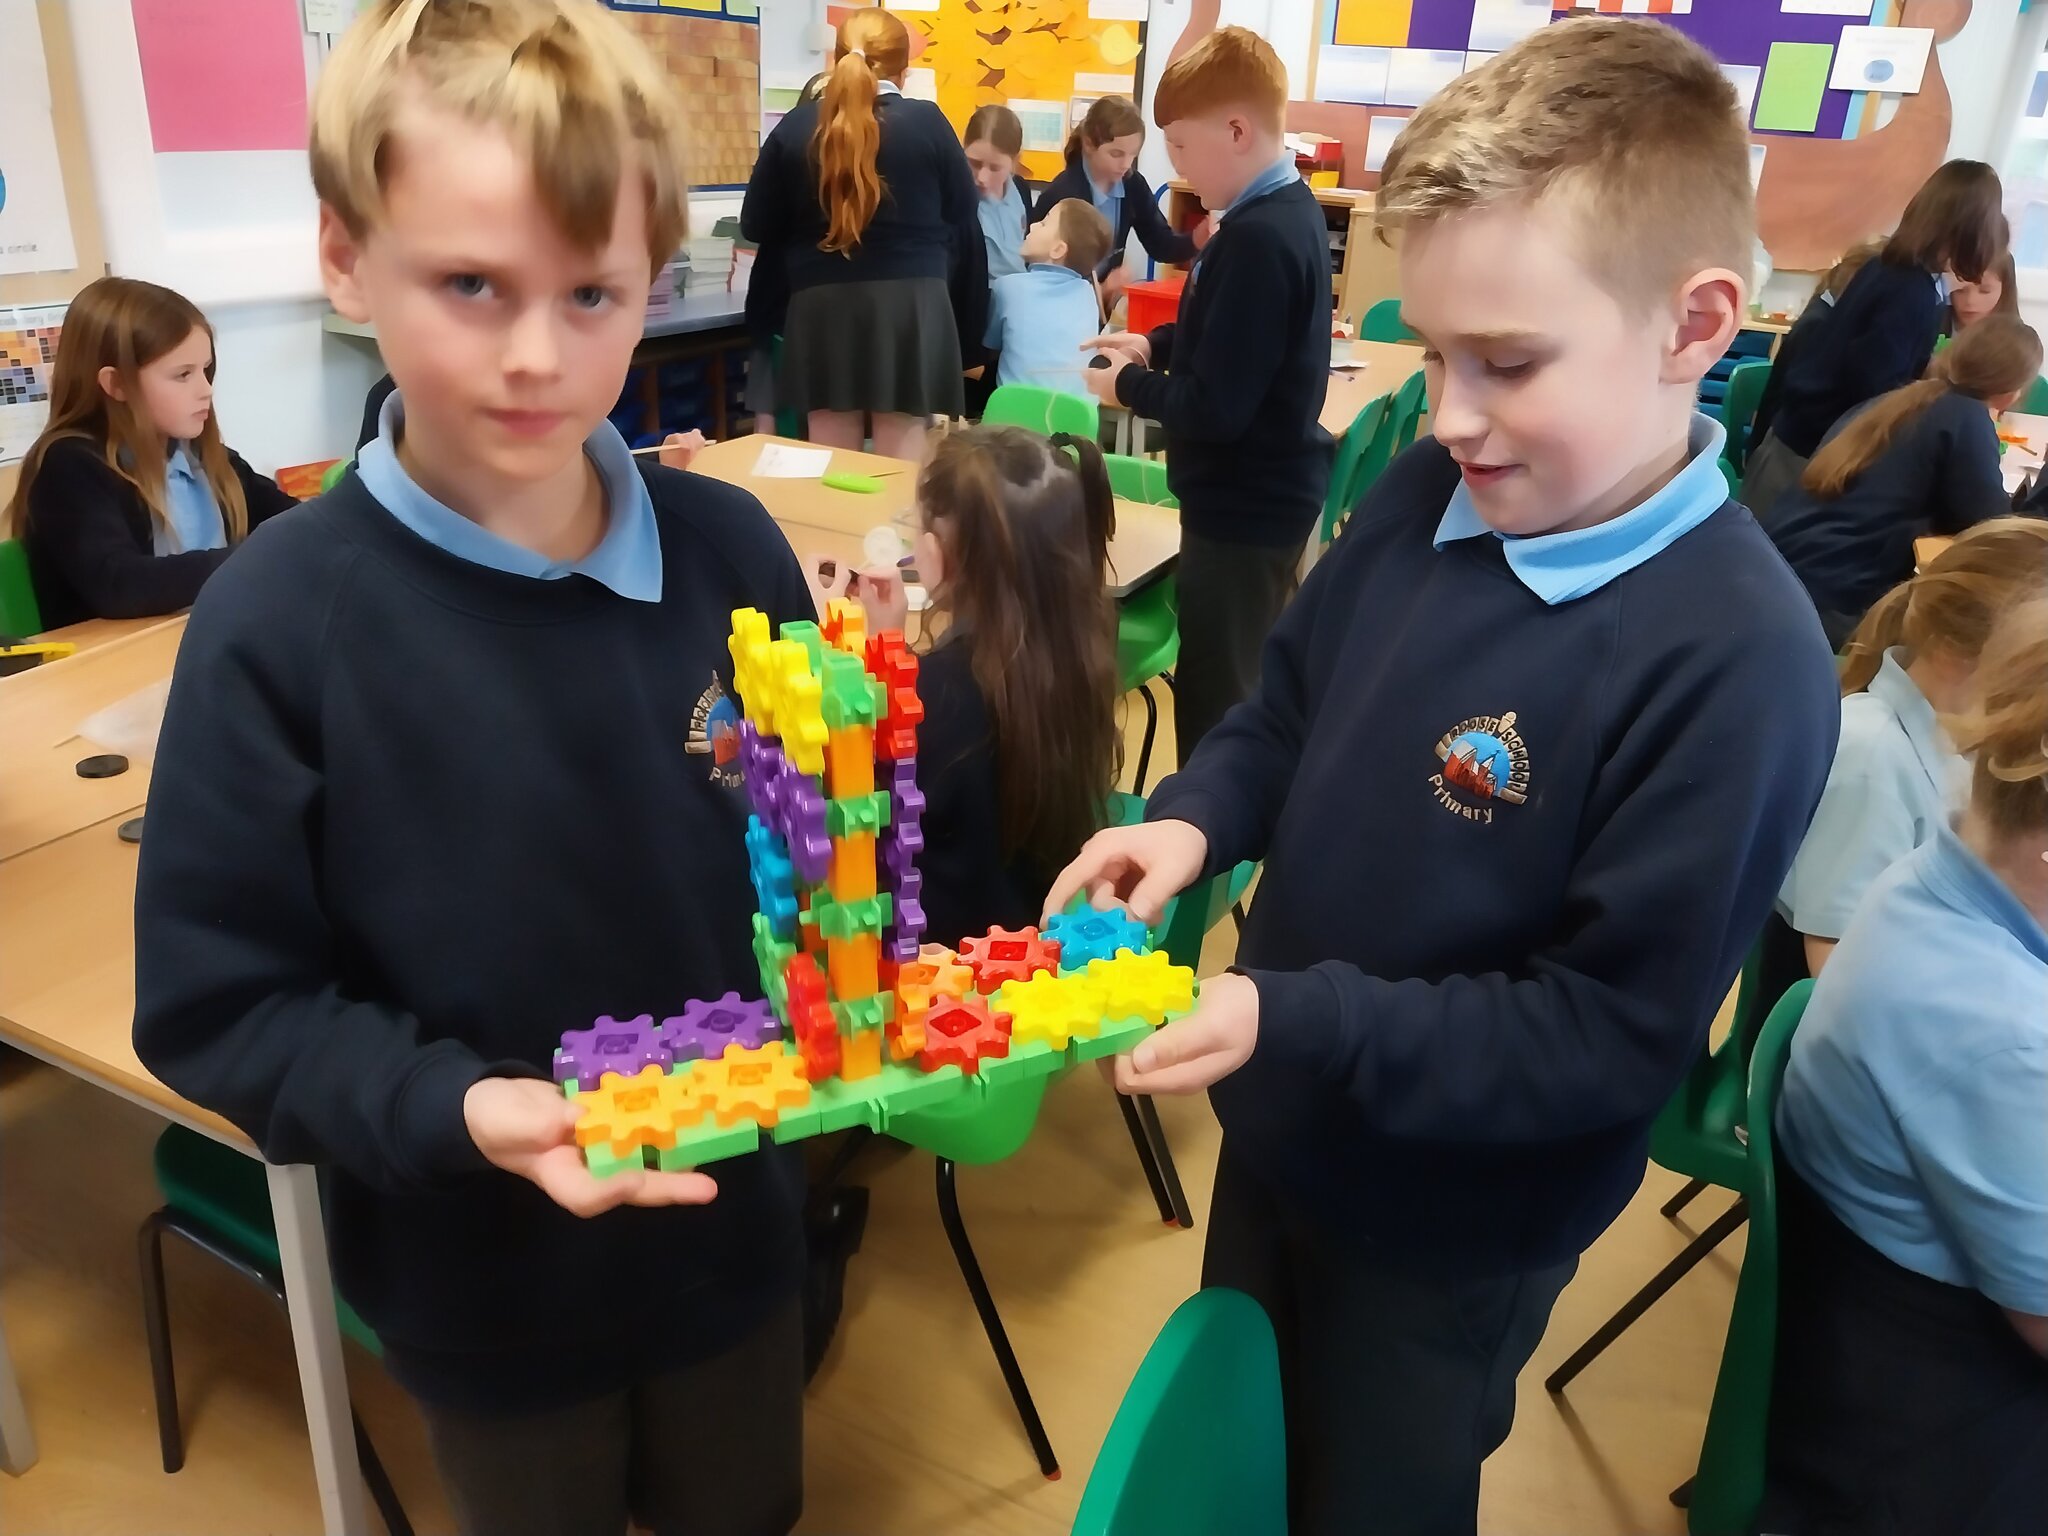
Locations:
(1878, 335)
(1238, 379)
(411, 819)
(1471, 1007)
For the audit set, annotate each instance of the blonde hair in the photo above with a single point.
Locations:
(1997, 356)
(1632, 122)
(564, 79)
(124, 324)
(1231, 67)
(873, 46)
(1952, 605)
(2005, 728)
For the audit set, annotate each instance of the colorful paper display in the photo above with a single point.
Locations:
(1789, 96)
(230, 74)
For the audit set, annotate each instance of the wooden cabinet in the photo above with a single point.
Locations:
(1362, 270)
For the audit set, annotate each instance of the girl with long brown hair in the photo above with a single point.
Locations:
(1881, 332)
(129, 500)
(1019, 748)
(1910, 1389)
(1102, 166)
(1922, 459)
(867, 196)
(1896, 774)
(995, 142)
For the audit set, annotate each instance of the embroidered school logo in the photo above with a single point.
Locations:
(715, 733)
(1484, 760)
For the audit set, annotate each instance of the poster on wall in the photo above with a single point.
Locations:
(28, 350)
(713, 49)
(35, 221)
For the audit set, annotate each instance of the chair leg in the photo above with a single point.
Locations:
(1162, 1154)
(1642, 1301)
(1683, 1198)
(1682, 1494)
(156, 1323)
(991, 1321)
(1146, 1157)
(1151, 730)
(378, 1481)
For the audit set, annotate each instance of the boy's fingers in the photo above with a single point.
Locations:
(1150, 895)
(1183, 1040)
(658, 1188)
(1188, 1077)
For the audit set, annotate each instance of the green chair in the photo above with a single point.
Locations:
(1733, 476)
(20, 615)
(1383, 323)
(1405, 414)
(2036, 403)
(1041, 410)
(1738, 407)
(1723, 1496)
(1198, 1446)
(1147, 621)
(332, 475)
(1362, 452)
(1699, 1133)
(216, 1200)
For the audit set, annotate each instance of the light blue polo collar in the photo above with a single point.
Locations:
(1271, 179)
(1957, 873)
(1559, 567)
(1896, 690)
(627, 559)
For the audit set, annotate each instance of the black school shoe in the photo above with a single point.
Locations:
(834, 1219)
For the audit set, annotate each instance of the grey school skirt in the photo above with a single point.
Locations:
(890, 345)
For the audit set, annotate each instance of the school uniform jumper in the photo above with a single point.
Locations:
(1037, 322)
(1523, 805)
(1914, 1206)
(1938, 475)
(94, 550)
(1238, 380)
(423, 801)
(1877, 336)
(1128, 205)
(881, 327)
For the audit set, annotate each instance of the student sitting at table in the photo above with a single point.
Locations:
(1920, 460)
(1896, 778)
(1019, 749)
(1910, 1388)
(128, 499)
(1802, 330)
(1040, 318)
(1995, 293)
(1102, 166)
(994, 139)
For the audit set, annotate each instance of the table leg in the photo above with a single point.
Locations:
(316, 1338)
(714, 368)
(17, 1435)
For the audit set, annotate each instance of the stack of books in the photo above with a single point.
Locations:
(661, 293)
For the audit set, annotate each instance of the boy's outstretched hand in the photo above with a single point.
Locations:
(679, 448)
(1142, 867)
(527, 1127)
(1189, 1054)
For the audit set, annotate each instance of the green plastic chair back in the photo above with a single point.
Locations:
(1733, 476)
(1730, 1483)
(1136, 479)
(1404, 415)
(225, 1192)
(2036, 403)
(331, 476)
(1383, 323)
(1738, 407)
(1696, 1133)
(1362, 452)
(1197, 1447)
(20, 614)
(1041, 410)
(1147, 633)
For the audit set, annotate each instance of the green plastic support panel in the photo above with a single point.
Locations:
(857, 813)
(1033, 1058)
(907, 1090)
(842, 1105)
(707, 1142)
(809, 636)
(979, 1127)
(851, 919)
(851, 696)
(1116, 1037)
(796, 1124)
(602, 1161)
(866, 1012)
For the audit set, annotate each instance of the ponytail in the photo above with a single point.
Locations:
(873, 46)
(1098, 500)
(1999, 355)
(1952, 605)
(1883, 627)
(2005, 728)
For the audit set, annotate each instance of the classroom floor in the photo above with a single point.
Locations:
(909, 1433)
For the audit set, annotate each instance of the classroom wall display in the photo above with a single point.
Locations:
(35, 220)
(713, 48)
(28, 349)
(1048, 60)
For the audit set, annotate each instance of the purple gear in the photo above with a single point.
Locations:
(623, 1046)
(702, 1030)
(906, 799)
(900, 941)
(803, 826)
(761, 765)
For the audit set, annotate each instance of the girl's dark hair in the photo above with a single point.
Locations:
(1025, 523)
(1108, 117)
(999, 125)
(1955, 222)
(1997, 356)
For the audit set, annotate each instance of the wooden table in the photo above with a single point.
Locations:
(819, 520)
(1388, 365)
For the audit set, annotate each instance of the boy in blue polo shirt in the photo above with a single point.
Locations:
(1038, 319)
(1528, 758)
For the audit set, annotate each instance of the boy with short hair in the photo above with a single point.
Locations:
(1238, 379)
(1040, 319)
(1529, 757)
(442, 776)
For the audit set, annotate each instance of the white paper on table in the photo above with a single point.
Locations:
(782, 461)
(1119, 10)
(1890, 59)
(1379, 138)
(130, 726)
(1416, 74)
(1745, 78)
(1353, 74)
(1826, 8)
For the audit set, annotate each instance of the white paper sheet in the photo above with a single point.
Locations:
(1889, 59)
(1352, 74)
(781, 461)
(35, 219)
(1099, 83)
(1860, 8)
(1379, 138)
(1744, 77)
(1416, 74)
(1116, 10)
